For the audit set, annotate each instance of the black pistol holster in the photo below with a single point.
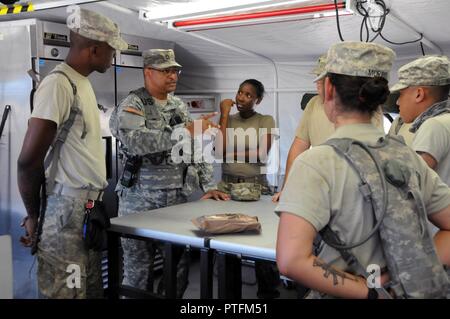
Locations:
(95, 223)
(130, 170)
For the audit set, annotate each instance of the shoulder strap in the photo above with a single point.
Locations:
(74, 87)
(53, 157)
(343, 147)
(398, 126)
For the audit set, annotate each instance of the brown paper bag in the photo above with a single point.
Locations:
(227, 223)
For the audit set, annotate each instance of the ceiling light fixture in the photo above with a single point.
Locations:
(316, 11)
(207, 8)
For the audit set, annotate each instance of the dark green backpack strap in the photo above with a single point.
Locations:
(343, 146)
(53, 156)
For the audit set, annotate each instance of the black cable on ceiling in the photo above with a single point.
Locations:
(378, 31)
(362, 11)
(402, 43)
(337, 21)
(366, 16)
(421, 48)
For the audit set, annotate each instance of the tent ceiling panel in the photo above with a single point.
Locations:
(163, 9)
(192, 51)
(285, 41)
(303, 39)
(430, 17)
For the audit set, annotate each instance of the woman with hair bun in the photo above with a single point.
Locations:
(323, 190)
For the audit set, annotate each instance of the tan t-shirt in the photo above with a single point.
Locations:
(322, 187)
(82, 160)
(253, 124)
(403, 130)
(433, 137)
(315, 127)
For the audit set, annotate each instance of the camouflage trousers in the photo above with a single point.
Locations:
(447, 269)
(138, 255)
(66, 269)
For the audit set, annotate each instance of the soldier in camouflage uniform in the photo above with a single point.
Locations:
(247, 180)
(66, 269)
(143, 123)
(324, 192)
(424, 86)
(314, 127)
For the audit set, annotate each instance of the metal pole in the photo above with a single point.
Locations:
(4, 117)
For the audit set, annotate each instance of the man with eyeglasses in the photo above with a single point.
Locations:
(143, 123)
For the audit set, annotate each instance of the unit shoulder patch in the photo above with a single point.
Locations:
(130, 109)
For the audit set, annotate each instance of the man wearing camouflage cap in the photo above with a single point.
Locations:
(77, 173)
(324, 193)
(424, 86)
(314, 127)
(143, 123)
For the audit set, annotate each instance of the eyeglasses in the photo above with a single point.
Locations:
(169, 71)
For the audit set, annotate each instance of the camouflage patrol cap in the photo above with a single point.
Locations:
(358, 59)
(245, 191)
(432, 70)
(160, 59)
(320, 67)
(94, 26)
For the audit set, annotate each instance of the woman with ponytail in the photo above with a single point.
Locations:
(324, 192)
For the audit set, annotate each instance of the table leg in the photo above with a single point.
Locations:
(113, 265)
(206, 273)
(230, 276)
(170, 271)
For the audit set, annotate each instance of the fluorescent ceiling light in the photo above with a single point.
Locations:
(261, 17)
(200, 8)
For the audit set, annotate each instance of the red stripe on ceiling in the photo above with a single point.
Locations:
(258, 15)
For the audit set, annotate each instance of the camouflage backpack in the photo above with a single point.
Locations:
(241, 191)
(392, 186)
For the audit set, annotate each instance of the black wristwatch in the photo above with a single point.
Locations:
(372, 294)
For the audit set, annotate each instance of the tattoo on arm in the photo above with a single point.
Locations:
(330, 270)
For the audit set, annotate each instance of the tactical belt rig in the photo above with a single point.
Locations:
(133, 165)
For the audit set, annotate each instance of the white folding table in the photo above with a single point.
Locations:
(173, 226)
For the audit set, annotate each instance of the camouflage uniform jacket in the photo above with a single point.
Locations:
(143, 128)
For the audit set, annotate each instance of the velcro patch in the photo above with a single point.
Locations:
(130, 109)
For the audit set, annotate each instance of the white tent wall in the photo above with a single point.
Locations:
(228, 55)
(294, 79)
(217, 60)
